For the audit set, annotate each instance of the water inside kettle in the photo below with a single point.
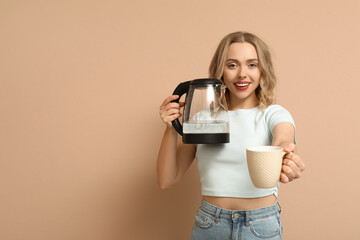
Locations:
(206, 126)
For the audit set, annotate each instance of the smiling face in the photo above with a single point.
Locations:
(242, 75)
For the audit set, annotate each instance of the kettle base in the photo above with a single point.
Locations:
(206, 138)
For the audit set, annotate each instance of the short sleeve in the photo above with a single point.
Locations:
(276, 114)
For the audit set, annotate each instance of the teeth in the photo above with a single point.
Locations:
(242, 84)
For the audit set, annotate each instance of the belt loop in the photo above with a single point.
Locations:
(247, 218)
(217, 215)
(278, 204)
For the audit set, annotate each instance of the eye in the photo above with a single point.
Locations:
(252, 65)
(232, 65)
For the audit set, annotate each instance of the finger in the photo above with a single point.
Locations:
(288, 172)
(284, 178)
(299, 162)
(295, 169)
(169, 99)
(289, 148)
(170, 112)
(288, 155)
(169, 119)
(173, 111)
(173, 105)
(296, 159)
(170, 106)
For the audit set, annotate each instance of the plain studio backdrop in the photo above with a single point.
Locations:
(81, 83)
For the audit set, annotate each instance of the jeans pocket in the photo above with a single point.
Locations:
(203, 220)
(265, 228)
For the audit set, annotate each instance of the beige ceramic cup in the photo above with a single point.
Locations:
(264, 163)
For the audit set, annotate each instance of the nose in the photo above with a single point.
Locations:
(242, 72)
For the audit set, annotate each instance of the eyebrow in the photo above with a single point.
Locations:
(249, 60)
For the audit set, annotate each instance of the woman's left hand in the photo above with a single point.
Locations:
(292, 166)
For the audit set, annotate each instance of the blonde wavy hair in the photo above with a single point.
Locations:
(265, 91)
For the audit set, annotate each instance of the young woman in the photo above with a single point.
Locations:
(232, 208)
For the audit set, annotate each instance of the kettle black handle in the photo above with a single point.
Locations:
(180, 90)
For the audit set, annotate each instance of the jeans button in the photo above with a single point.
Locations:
(236, 215)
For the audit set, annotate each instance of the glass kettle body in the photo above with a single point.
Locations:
(205, 119)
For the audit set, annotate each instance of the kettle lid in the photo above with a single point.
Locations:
(203, 82)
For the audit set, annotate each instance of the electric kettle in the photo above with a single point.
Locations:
(204, 118)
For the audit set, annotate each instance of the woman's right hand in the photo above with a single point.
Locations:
(169, 111)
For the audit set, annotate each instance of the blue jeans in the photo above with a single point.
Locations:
(212, 222)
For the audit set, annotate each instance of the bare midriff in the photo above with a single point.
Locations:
(231, 203)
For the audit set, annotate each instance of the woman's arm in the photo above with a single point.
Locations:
(174, 157)
(283, 136)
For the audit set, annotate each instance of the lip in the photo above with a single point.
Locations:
(242, 87)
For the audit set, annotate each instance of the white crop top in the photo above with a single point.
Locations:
(223, 167)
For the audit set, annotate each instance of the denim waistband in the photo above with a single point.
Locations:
(245, 215)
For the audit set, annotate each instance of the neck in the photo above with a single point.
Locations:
(235, 104)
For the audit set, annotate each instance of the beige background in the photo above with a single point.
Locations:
(81, 83)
